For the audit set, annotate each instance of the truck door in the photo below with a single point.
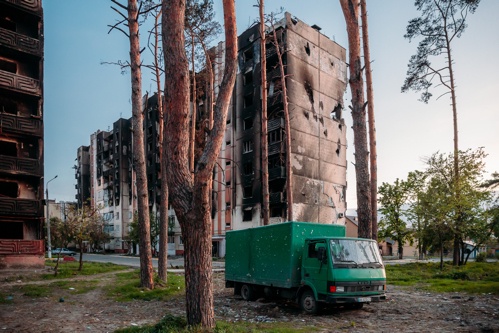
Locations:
(316, 266)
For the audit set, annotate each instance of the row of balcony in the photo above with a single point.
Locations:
(34, 6)
(23, 125)
(19, 165)
(20, 83)
(20, 207)
(20, 42)
(15, 246)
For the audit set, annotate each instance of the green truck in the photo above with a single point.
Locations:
(311, 263)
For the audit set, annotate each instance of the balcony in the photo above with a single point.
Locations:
(14, 246)
(17, 165)
(20, 42)
(22, 125)
(276, 198)
(275, 123)
(276, 148)
(30, 5)
(277, 173)
(20, 207)
(20, 83)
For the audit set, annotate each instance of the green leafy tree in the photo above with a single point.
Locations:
(466, 213)
(60, 236)
(393, 198)
(440, 24)
(82, 224)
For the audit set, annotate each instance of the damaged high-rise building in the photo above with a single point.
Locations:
(21, 134)
(316, 81)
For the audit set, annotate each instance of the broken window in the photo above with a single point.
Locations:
(12, 230)
(247, 192)
(247, 146)
(247, 123)
(248, 168)
(8, 106)
(248, 100)
(248, 54)
(8, 65)
(248, 78)
(276, 212)
(247, 215)
(7, 24)
(9, 189)
(8, 148)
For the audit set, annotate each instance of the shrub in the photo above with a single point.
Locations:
(481, 257)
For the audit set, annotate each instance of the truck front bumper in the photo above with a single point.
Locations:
(355, 299)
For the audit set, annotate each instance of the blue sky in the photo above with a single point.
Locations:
(82, 96)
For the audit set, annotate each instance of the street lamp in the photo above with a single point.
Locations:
(49, 245)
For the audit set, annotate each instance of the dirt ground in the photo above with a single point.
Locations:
(406, 310)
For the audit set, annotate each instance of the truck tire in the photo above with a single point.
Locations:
(247, 292)
(308, 303)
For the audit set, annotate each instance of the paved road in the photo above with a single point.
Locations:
(134, 261)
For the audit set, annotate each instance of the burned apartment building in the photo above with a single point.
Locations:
(105, 178)
(21, 134)
(316, 81)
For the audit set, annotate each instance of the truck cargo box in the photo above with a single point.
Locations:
(271, 255)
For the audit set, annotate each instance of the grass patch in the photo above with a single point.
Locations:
(70, 269)
(34, 290)
(127, 288)
(172, 324)
(75, 287)
(474, 277)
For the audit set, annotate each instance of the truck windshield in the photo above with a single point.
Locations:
(360, 253)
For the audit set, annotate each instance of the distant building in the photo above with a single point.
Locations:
(21, 134)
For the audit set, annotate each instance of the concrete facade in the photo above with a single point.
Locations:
(21, 134)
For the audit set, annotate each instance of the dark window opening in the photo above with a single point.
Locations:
(228, 120)
(8, 148)
(248, 78)
(9, 189)
(12, 230)
(276, 212)
(247, 215)
(247, 123)
(248, 169)
(248, 54)
(247, 192)
(227, 184)
(227, 143)
(275, 162)
(8, 106)
(6, 23)
(248, 100)
(8, 66)
(227, 162)
(338, 148)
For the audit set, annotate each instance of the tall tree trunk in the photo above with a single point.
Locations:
(194, 108)
(351, 12)
(371, 121)
(146, 271)
(192, 195)
(457, 237)
(265, 144)
(163, 206)
(287, 126)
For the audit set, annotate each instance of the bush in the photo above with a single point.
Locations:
(497, 255)
(481, 257)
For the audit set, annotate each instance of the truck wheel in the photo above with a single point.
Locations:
(308, 303)
(247, 292)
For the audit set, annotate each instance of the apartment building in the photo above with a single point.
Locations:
(316, 81)
(21, 134)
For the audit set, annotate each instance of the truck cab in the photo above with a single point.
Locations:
(341, 271)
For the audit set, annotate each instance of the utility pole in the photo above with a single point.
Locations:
(49, 245)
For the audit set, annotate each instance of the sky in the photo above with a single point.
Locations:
(81, 95)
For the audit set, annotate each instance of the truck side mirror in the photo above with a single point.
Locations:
(321, 254)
